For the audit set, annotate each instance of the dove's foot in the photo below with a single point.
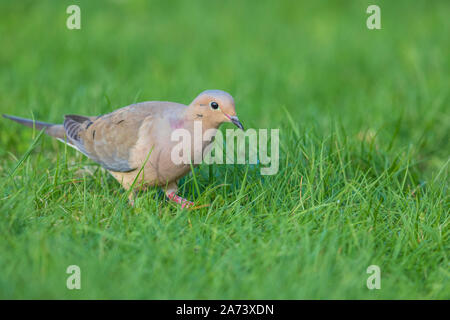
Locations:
(174, 197)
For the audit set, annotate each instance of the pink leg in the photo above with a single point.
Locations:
(174, 197)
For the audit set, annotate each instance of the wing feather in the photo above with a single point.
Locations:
(107, 139)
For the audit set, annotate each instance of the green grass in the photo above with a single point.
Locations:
(364, 150)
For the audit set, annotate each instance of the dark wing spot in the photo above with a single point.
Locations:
(120, 121)
(93, 134)
(199, 115)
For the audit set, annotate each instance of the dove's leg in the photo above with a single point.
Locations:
(171, 193)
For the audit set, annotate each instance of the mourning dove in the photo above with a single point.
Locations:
(134, 143)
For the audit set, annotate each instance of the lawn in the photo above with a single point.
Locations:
(364, 150)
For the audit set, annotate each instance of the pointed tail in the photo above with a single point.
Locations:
(54, 130)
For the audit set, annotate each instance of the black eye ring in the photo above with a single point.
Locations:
(214, 105)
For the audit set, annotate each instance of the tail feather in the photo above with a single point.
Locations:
(54, 130)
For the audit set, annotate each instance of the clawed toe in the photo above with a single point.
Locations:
(186, 204)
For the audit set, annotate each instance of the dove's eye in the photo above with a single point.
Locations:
(214, 105)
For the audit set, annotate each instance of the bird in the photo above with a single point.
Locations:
(134, 143)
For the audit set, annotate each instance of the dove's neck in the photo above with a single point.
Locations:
(202, 129)
(192, 118)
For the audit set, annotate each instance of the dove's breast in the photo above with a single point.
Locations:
(152, 153)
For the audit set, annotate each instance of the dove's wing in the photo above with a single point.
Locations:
(108, 139)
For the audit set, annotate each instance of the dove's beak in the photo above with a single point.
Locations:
(236, 121)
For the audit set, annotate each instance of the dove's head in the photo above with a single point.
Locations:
(215, 107)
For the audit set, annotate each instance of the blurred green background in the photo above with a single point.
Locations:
(302, 66)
